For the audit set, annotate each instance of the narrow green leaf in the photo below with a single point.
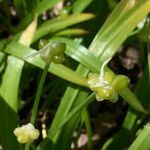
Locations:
(80, 5)
(8, 123)
(77, 109)
(86, 118)
(56, 69)
(72, 32)
(118, 140)
(9, 92)
(27, 35)
(142, 140)
(107, 41)
(30, 5)
(132, 99)
(3, 44)
(60, 23)
(19, 7)
(122, 7)
(13, 71)
(71, 93)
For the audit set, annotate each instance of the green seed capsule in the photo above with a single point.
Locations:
(120, 82)
(58, 48)
(58, 59)
(104, 93)
(108, 76)
(42, 43)
(113, 96)
(46, 55)
(107, 94)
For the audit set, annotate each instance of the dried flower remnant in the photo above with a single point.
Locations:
(26, 133)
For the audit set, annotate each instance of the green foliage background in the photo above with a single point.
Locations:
(109, 24)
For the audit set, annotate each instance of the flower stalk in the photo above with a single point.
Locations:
(49, 52)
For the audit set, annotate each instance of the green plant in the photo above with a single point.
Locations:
(18, 54)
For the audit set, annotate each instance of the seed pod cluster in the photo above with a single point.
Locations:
(109, 87)
(52, 51)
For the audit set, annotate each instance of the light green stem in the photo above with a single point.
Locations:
(38, 94)
(37, 99)
(88, 129)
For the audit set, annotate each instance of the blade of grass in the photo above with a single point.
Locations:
(9, 121)
(132, 99)
(9, 90)
(62, 112)
(119, 30)
(3, 44)
(79, 5)
(72, 32)
(118, 140)
(142, 141)
(14, 67)
(19, 6)
(60, 23)
(71, 94)
(30, 5)
(77, 109)
(122, 8)
(56, 69)
(88, 129)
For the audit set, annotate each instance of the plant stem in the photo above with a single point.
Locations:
(37, 99)
(88, 129)
(38, 94)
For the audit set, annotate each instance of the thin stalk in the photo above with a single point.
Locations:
(88, 129)
(77, 109)
(37, 99)
(38, 94)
